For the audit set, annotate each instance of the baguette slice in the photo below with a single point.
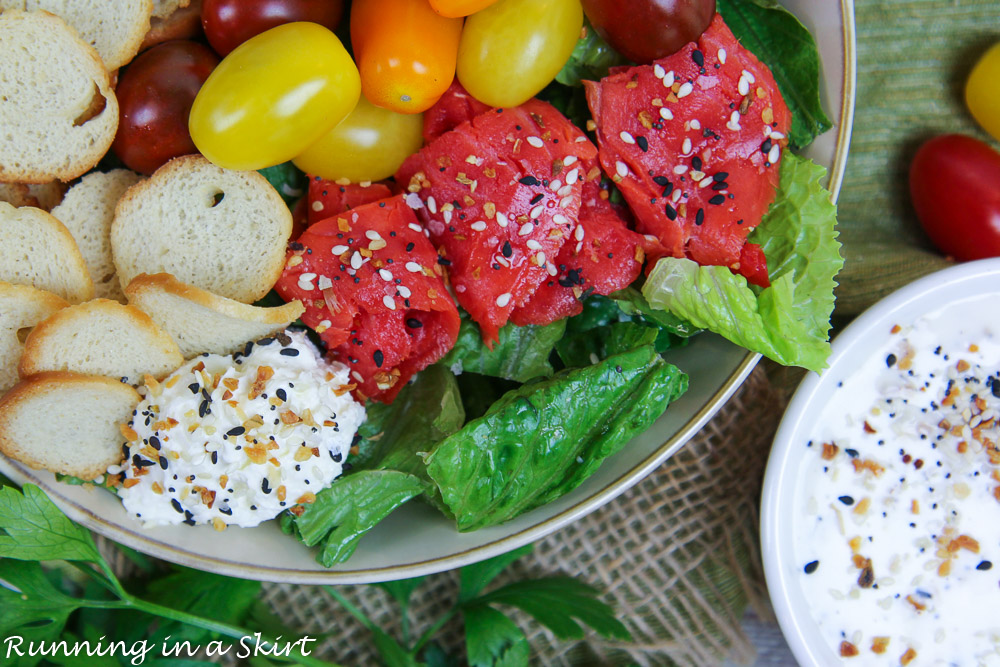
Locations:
(203, 322)
(66, 422)
(164, 8)
(87, 211)
(220, 230)
(180, 22)
(21, 307)
(114, 28)
(45, 196)
(38, 250)
(101, 337)
(59, 114)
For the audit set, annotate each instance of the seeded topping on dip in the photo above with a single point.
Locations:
(234, 440)
(898, 537)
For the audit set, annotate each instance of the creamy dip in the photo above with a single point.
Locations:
(898, 537)
(235, 440)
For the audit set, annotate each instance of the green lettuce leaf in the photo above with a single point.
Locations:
(790, 320)
(590, 347)
(288, 180)
(521, 354)
(782, 43)
(349, 508)
(591, 59)
(543, 439)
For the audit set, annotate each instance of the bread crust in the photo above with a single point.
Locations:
(182, 23)
(21, 307)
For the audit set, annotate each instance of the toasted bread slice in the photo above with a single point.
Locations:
(100, 337)
(59, 114)
(66, 422)
(203, 322)
(21, 307)
(164, 8)
(183, 22)
(87, 211)
(114, 28)
(220, 230)
(38, 250)
(42, 195)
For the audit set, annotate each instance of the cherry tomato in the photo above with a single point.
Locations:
(644, 30)
(155, 94)
(369, 145)
(274, 96)
(955, 186)
(229, 23)
(982, 94)
(514, 48)
(458, 8)
(405, 52)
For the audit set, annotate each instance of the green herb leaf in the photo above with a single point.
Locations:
(393, 654)
(542, 440)
(435, 656)
(92, 635)
(558, 603)
(590, 347)
(37, 530)
(288, 180)
(521, 354)
(472, 579)
(493, 640)
(213, 596)
(790, 320)
(782, 43)
(30, 606)
(350, 507)
(591, 59)
(401, 590)
(479, 392)
(424, 413)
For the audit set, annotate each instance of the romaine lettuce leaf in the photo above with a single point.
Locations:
(790, 320)
(543, 439)
(591, 59)
(590, 347)
(521, 354)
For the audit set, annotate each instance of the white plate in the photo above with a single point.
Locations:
(855, 344)
(416, 540)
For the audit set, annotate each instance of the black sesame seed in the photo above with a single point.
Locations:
(236, 430)
(225, 509)
(853, 453)
(194, 387)
(265, 341)
(698, 57)
(696, 163)
(378, 358)
(410, 246)
(264, 486)
(537, 198)
(699, 217)
(215, 457)
(985, 565)
(414, 323)
(507, 250)
(280, 393)
(247, 348)
(528, 180)
(811, 567)
(662, 181)
(203, 409)
(890, 361)
(671, 212)
(721, 185)
(289, 352)
(720, 176)
(642, 143)
(176, 504)
(336, 457)
(154, 442)
(766, 146)
(847, 500)
(717, 199)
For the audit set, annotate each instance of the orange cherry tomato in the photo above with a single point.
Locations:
(458, 8)
(405, 51)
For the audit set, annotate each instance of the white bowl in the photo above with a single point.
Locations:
(416, 540)
(855, 345)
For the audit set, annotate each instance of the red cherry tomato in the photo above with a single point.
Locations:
(155, 94)
(955, 186)
(229, 23)
(644, 30)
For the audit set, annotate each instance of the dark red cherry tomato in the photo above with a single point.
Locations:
(229, 23)
(955, 186)
(644, 30)
(155, 94)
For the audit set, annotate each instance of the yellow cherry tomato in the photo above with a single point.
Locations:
(982, 91)
(368, 145)
(274, 96)
(514, 48)
(457, 8)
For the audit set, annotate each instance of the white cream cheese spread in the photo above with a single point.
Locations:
(235, 440)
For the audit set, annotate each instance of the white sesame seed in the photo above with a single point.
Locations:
(372, 235)
(536, 142)
(305, 281)
(500, 259)
(568, 160)
(385, 274)
(777, 135)
(579, 247)
(749, 76)
(744, 86)
(553, 271)
(540, 259)
(767, 130)
(626, 137)
(413, 201)
(686, 146)
(404, 291)
(460, 288)
(722, 56)
(317, 206)
(695, 124)
(415, 227)
(447, 216)
(357, 376)
(581, 139)
(478, 226)
(565, 202)
(356, 260)
(432, 205)
(555, 185)
(413, 267)
(578, 233)
(389, 302)
(686, 89)
(666, 114)
(697, 176)
(533, 244)
(525, 229)
(774, 154)
(676, 196)
(621, 169)
(537, 212)
(503, 299)
(572, 177)
(705, 182)
(734, 122)
(560, 219)
(659, 72)
(668, 79)
(339, 249)
(565, 190)
(680, 169)
(324, 283)
(501, 219)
